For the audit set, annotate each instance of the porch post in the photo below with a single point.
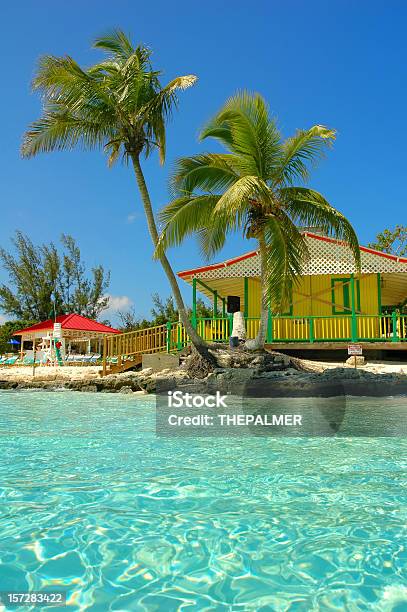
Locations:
(246, 297)
(394, 326)
(379, 293)
(194, 303)
(104, 366)
(223, 308)
(215, 304)
(168, 336)
(354, 324)
(270, 327)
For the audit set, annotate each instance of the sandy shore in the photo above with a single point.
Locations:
(375, 367)
(90, 373)
(49, 373)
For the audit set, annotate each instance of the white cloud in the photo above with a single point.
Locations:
(118, 302)
(3, 319)
(131, 218)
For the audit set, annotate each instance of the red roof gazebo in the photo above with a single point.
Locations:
(74, 328)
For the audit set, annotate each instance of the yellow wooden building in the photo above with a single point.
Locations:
(332, 304)
(330, 307)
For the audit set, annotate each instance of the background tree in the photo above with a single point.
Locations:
(6, 334)
(391, 241)
(44, 281)
(253, 188)
(163, 311)
(118, 105)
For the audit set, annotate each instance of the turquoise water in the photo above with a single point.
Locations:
(94, 504)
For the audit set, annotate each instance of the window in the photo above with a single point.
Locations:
(341, 296)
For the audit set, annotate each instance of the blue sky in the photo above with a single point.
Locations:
(340, 63)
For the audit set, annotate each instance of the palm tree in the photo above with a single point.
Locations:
(253, 188)
(117, 105)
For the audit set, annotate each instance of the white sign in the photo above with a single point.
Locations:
(355, 349)
(57, 330)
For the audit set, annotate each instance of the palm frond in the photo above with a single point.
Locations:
(206, 172)
(307, 207)
(118, 44)
(286, 254)
(161, 105)
(58, 129)
(182, 217)
(301, 151)
(236, 200)
(212, 237)
(245, 128)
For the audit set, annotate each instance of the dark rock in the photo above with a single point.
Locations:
(88, 388)
(126, 390)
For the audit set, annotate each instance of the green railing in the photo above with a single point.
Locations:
(292, 329)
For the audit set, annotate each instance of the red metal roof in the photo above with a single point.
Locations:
(70, 321)
(229, 262)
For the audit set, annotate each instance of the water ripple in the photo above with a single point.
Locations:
(93, 503)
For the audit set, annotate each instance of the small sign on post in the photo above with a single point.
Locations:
(355, 350)
(57, 330)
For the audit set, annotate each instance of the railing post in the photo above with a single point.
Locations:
(119, 352)
(230, 318)
(215, 304)
(395, 337)
(270, 327)
(104, 355)
(354, 323)
(311, 329)
(179, 347)
(168, 336)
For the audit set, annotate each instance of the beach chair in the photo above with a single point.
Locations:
(28, 360)
(11, 360)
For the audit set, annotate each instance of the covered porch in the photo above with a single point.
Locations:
(332, 304)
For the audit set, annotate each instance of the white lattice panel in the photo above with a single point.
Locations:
(325, 258)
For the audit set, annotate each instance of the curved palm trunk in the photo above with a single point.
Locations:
(259, 341)
(145, 196)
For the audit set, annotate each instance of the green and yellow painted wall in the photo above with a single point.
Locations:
(323, 296)
(329, 299)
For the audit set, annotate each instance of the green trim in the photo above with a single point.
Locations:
(246, 297)
(311, 329)
(312, 338)
(213, 291)
(215, 294)
(394, 325)
(270, 327)
(346, 309)
(354, 322)
(230, 317)
(289, 313)
(379, 293)
(168, 336)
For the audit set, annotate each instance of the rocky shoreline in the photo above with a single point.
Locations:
(239, 373)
